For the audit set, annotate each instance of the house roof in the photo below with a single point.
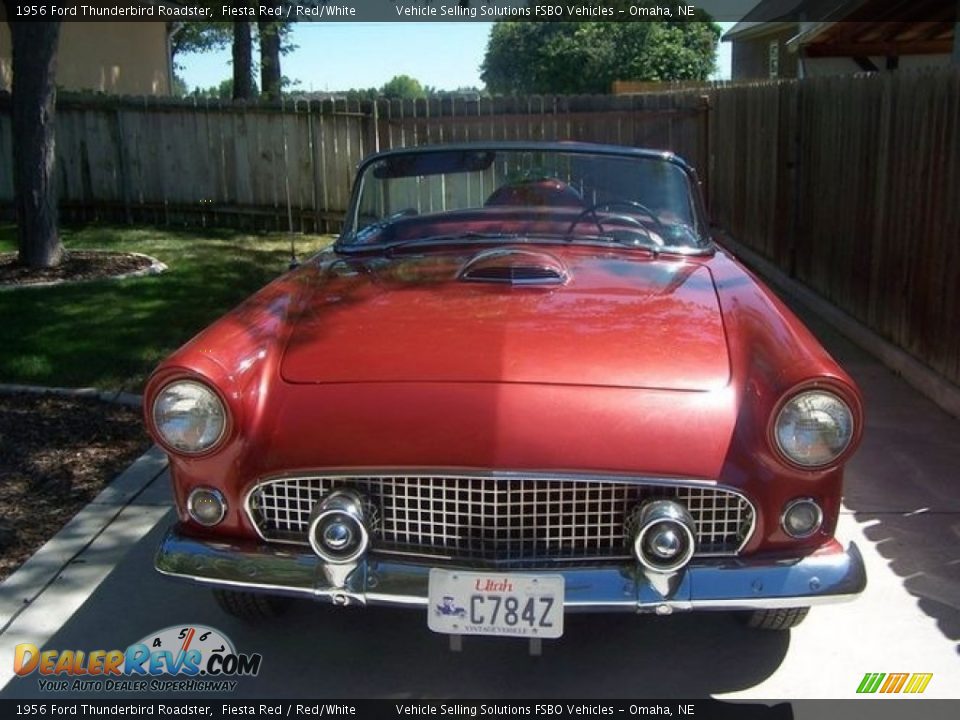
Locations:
(745, 30)
(885, 28)
(857, 27)
(773, 16)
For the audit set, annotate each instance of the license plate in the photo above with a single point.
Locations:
(472, 603)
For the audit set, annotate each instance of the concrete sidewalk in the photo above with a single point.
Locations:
(902, 508)
(65, 572)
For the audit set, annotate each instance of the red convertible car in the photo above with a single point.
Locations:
(523, 382)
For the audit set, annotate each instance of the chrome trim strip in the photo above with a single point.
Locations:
(552, 271)
(526, 282)
(374, 472)
(727, 584)
(505, 475)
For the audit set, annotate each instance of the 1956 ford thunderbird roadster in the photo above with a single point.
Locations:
(523, 382)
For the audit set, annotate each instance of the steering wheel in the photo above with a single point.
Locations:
(610, 205)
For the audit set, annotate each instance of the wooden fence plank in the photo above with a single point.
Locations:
(867, 171)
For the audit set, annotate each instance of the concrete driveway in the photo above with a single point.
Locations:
(902, 508)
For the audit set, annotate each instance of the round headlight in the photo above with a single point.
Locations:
(814, 428)
(189, 416)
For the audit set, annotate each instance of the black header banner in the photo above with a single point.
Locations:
(475, 10)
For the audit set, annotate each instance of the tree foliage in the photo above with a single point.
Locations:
(403, 87)
(197, 37)
(393, 90)
(361, 93)
(586, 57)
(180, 87)
(273, 38)
(223, 91)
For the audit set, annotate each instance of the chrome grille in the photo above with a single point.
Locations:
(502, 520)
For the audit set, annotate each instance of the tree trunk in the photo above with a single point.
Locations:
(269, 60)
(242, 59)
(34, 111)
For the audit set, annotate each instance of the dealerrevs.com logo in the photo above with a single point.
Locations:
(890, 683)
(200, 658)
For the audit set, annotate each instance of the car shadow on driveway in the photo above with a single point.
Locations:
(903, 484)
(320, 651)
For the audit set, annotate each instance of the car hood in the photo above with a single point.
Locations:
(608, 319)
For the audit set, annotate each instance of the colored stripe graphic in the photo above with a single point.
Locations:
(918, 683)
(870, 682)
(894, 683)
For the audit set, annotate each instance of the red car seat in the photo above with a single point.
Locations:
(544, 191)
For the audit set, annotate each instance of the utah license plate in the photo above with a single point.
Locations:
(473, 603)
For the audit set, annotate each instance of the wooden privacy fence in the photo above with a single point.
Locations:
(290, 167)
(851, 184)
(166, 161)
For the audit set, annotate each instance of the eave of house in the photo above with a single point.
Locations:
(752, 30)
(876, 38)
(860, 28)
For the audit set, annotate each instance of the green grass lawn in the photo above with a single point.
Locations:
(111, 334)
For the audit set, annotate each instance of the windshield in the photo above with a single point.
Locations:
(539, 195)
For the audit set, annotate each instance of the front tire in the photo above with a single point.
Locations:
(251, 607)
(780, 619)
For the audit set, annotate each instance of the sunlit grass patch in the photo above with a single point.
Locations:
(110, 334)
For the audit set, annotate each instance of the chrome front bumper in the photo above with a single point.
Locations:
(705, 584)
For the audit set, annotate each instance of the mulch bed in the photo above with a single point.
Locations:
(56, 454)
(76, 265)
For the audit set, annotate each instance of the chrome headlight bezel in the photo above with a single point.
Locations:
(790, 507)
(211, 396)
(192, 505)
(830, 396)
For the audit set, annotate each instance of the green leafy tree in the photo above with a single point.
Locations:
(197, 37)
(223, 91)
(403, 87)
(586, 57)
(362, 94)
(273, 38)
(180, 88)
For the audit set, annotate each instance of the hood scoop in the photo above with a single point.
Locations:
(514, 267)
